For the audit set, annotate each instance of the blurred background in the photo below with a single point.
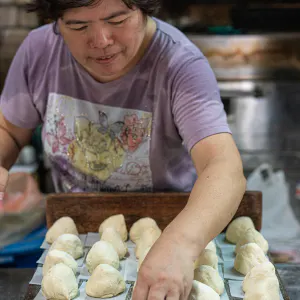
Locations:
(254, 50)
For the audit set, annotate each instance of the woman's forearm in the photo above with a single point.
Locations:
(213, 202)
(8, 149)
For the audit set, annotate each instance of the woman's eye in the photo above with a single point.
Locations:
(116, 23)
(79, 29)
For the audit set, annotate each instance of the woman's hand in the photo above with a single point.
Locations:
(167, 271)
(3, 184)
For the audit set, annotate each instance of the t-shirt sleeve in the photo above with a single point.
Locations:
(196, 103)
(16, 100)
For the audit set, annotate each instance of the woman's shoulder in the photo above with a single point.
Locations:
(41, 42)
(172, 55)
(173, 48)
(176, 40)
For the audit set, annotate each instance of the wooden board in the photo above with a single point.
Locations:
(89, 210)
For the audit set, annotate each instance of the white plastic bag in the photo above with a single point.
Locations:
(279, 224)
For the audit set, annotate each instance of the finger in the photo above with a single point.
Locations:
(158, 293)
(140, 290)
(3, 179)
(172, 298)
(187, 290)
(173, 295)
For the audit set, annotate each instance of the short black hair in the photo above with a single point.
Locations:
(54, 9)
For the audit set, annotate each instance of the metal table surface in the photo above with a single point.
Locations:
(14, 282)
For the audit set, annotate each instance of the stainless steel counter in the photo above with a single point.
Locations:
(14, 283)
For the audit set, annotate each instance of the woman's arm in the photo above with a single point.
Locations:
(216, 195)
(12, 139)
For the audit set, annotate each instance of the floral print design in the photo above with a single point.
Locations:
(134, 131)
(58, 139)
(93, 147)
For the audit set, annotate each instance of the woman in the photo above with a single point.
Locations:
(127, 103)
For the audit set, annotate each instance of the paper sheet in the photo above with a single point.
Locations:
(228, 256)
(220, 269)
(37, 276)
(231, 273)
(222, 243)
(91, 239)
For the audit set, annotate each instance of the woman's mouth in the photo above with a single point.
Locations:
(105, 59)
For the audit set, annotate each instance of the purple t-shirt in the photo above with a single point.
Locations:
(131, 134)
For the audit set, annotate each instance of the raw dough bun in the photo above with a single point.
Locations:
(237, 228)
(139, 227)
(263, 289)
(208, 258)
(268, 289)
(69, 243)
(249, 256)
(61, 226)
(112, 236)
(201, 291)
(147, 239)
(142, 257)
(262, 295)
(55, 257)
(251, 235)
(117, 222)
(102, 252)
(209, 276)
(60, 283)
(259, 274)
(211, 246)
(105, 282)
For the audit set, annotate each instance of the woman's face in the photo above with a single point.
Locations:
(104, 38)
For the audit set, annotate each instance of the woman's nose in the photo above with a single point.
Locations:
(101, 38)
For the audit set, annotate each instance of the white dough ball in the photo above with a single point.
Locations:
(69, 243)
(59, 227)
(147, 239)
(118, 223)
(209, 276)
(237, 228)
(258, 274)
(55, 257)
(201, 291)
(60, 283)
(249, 256)
(262, 295)
(112, 236)
(211, 246)
(139, 227)
(102, 252)
(105, 282)
(251, 235)
(208, 258)
(267, 289)
(142, 257)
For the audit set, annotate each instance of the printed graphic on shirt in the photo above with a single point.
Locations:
(109, 146)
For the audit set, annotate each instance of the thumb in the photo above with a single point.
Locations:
(3, 181)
